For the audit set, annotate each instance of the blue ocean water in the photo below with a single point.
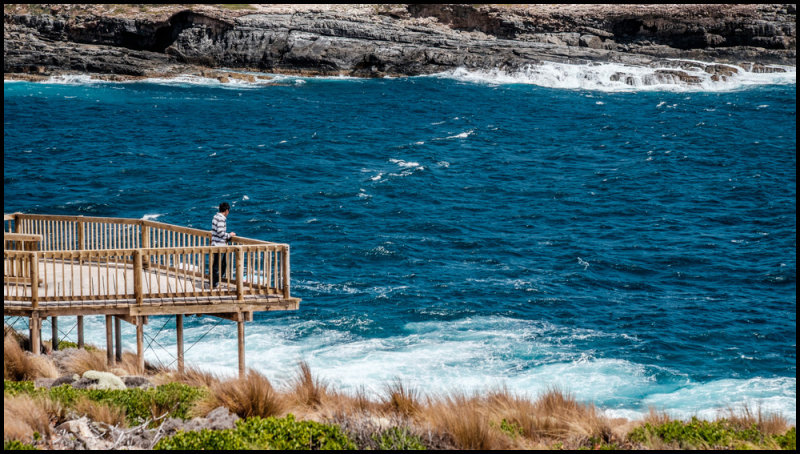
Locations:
(636, 249)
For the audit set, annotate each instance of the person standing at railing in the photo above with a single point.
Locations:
(220, 237)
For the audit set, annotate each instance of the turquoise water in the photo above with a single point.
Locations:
(635, 249)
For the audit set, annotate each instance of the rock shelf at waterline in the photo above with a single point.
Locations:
(129, 42)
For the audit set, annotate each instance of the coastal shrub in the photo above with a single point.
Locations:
(174, 399)
(13, 388)
(701, 434)
(206, 439)
(787, 440)
(398, 439)
(64, 344)
(262, 433)
(16, 445)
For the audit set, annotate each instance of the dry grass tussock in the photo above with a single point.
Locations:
(191, 376)
(466, 419)
(81, 361)
(306, 390)
(100, 412)
(24, 415)
(401, 399)
(20, 365)
(501, 420)
(252, 395)
(770, 424)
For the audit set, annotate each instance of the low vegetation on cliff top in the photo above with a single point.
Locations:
(310, 414)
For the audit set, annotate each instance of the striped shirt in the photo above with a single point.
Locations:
(219, 234)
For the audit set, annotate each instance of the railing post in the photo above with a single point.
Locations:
(285, 263)
(137, 276)
(240, 273)
(144, 242)
(81, 234)
(34, 269)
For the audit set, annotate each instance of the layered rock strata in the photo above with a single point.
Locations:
(396, 40)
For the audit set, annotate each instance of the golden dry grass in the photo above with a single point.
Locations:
(24, 415)
(191, 376)
(466, 420)
(401, 399)
(100, 412)
(770, 424)
(306, 390)
(252, 395)
(20, 365)
(82, 360)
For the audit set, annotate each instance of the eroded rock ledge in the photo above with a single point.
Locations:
(132, 41)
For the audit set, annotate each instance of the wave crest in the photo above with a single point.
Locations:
(670, 75)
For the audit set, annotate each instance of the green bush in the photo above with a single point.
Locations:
(63, 345)
(262, 433)
(702, 434)
(398, 439)
(139, 404)
(16, 445)
(209, 440)
(12, 388)
(787, 440)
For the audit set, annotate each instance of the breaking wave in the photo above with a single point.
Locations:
(674, 75)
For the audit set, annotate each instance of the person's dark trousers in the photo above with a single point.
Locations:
(220, 259)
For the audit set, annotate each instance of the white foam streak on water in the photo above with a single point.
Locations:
(152, 217)
(473, 354)
(613, 77)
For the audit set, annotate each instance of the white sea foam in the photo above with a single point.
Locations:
(469, 354)
(462, 135)
(151, 217)
(614, 77)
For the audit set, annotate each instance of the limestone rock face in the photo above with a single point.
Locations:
(378, 40)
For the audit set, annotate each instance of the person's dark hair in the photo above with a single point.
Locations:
(223, 207)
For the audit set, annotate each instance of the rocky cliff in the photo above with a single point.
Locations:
(126, 41)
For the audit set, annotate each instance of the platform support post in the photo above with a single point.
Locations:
(54, 331)
(140, 344)
(80, 331)
(36, 347)
(240, 322)
(179, 330)
(118, 338)
(109, 340)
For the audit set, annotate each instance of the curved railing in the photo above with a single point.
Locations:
(68, 259)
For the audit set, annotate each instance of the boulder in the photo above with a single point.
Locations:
(105, 380)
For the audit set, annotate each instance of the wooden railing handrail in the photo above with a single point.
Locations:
(21, 237)
(127, 221)
(149, 248)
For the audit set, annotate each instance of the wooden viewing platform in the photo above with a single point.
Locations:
(130, 269)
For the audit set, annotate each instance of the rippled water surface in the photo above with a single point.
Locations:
(635, 249)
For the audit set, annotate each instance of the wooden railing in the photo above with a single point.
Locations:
(131, 261)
